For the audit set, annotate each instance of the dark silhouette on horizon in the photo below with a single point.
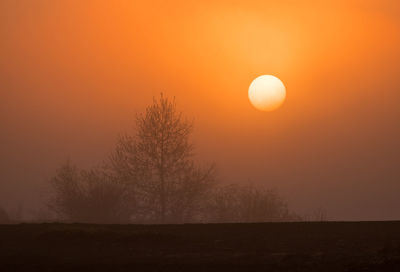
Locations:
(152, 177)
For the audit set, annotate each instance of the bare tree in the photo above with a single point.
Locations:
(246, 203)
(159, 161)
(152, 177)
(89, 196)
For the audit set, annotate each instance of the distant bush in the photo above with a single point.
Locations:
(247, 203)
(4, 218)
(89, 196)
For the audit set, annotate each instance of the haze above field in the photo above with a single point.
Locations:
(74, 74)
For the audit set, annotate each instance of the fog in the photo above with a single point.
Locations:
(73, 77)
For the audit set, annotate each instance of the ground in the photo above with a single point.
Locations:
(303, 246)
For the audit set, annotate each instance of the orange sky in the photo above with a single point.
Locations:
(74, 73)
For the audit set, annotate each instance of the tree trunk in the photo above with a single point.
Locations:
(162, 180)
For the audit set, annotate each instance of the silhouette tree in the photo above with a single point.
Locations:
(152, 177)
(159, 161)
(89, 196)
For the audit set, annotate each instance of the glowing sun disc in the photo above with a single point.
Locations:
(267, 93)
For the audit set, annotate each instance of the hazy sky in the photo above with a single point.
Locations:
(73, 74)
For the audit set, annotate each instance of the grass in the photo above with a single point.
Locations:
(306, 246)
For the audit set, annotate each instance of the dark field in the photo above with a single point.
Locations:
(330, 246)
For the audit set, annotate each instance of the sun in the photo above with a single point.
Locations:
(267, 93)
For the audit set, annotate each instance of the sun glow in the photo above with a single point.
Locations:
(267, 93)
